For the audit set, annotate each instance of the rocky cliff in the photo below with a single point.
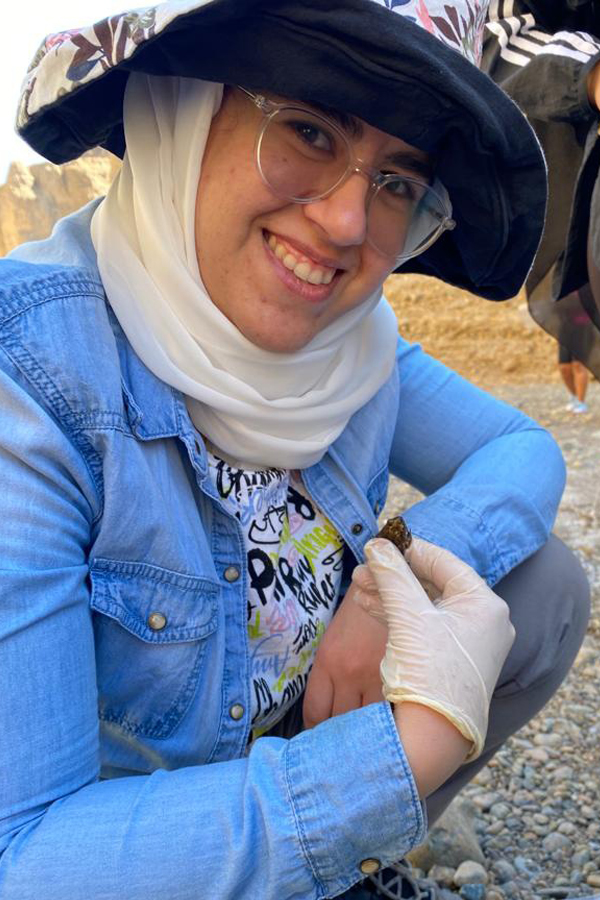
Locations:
(34, 197)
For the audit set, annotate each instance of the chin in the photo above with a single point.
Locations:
(278, 342)
(281, 346)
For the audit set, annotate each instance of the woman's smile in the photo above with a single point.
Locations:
(300, 273)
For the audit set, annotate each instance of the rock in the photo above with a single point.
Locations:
(567, 828)
(34, 197)
(593, 879)
(443, 875)
(526, 867)
(451, 841)
(472, 892)
(500, 810)
(503, 870)
(581, 857)
(486, 799)
(547, 740)
(562, 773)
(556, 841)
(537, 755)
(470, 872)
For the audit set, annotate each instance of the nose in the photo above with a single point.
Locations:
(342, 215)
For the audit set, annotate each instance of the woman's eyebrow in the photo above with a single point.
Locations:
(350, 124)
(354, 128)
(405, 159)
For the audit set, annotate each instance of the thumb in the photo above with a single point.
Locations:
(394, 578)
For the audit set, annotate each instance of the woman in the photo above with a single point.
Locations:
(201, 406)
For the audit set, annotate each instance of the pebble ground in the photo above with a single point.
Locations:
(538, 800)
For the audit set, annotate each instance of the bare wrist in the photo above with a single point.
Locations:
(433, 746)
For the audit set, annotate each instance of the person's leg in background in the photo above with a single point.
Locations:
(581, 380)
(565, 367)
(549, 602)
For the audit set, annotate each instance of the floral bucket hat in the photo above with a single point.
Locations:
(408, 67)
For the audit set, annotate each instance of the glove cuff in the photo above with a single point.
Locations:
(462, 723)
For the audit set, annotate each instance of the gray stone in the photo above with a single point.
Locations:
(547, 740)
(503, 870)
(444, 875)
(500, 810)
(562, 773)
(486, 799)
(452, 840)
(526, 867)
(470, 872)
(581, 857)
(556, 841)
(472, 892)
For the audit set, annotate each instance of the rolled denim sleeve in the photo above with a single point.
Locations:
(293, 819)
(492, 477)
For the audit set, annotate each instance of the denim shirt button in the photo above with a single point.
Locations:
(157, 621)
(357, 528)
(370, 866)
(377, 508)
(236, 711)
(231, 573)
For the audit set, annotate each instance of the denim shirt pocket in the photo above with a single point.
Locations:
(151, 629)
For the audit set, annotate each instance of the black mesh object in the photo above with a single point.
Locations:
(398, 882)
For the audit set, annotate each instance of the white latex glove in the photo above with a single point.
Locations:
(445, 652)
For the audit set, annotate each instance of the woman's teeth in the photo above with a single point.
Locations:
(303, 270)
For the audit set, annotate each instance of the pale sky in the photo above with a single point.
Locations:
(24, 24)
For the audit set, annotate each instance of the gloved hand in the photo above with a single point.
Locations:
(445, 652)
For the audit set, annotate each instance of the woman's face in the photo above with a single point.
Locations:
(244, 230)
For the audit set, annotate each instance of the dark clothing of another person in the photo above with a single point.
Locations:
(541, 53)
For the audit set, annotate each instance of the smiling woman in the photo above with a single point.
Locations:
(203, 394)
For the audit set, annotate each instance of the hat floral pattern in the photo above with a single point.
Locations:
(458, 25)
(70, 59)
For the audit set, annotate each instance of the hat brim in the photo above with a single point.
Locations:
(358, 57)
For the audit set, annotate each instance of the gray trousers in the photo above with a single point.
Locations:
(549, 602)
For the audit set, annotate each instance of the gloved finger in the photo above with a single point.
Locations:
(396, 584)
(446, 572)
(370, 602)
(363, 579)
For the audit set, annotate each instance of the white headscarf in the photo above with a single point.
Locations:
(258, 407)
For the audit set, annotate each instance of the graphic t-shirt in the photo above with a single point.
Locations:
(294, 557)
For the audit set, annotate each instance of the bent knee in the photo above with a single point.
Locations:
(549, 600)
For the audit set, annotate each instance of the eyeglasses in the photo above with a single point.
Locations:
(304, 157)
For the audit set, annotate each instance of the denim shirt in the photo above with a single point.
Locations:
(124, 669)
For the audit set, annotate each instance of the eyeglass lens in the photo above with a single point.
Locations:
(303, 159)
